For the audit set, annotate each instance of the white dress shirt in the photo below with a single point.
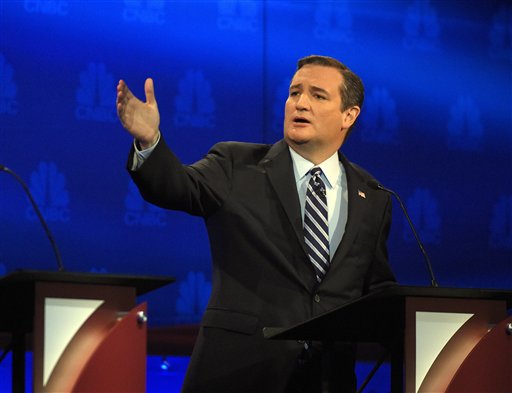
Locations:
(335, 179)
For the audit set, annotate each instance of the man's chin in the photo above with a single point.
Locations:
(296, 140)
(300, 142)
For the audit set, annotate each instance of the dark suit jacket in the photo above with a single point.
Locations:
(261, 273)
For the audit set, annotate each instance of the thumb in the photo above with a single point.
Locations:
(150, 91)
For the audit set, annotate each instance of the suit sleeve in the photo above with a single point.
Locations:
(380, 274)
(199, 189)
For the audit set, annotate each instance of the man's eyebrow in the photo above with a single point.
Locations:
(316, 89)
(319, 90)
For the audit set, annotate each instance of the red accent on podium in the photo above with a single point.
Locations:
(488, 367)
(474, 360)
(461, 343)
(107, 353)
(119, 363)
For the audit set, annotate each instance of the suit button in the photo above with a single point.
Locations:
(316, 298)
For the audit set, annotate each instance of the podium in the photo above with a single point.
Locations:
(85, 329)
(439, 339)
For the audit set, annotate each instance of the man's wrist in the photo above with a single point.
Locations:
(148, 144)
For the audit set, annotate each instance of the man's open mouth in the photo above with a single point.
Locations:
(301, 120)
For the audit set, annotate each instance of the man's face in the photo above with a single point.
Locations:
(313, 118)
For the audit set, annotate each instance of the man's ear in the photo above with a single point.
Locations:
(350, 115)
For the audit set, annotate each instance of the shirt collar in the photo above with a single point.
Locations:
(330, 167)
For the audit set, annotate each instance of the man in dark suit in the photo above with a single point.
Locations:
(287, 243)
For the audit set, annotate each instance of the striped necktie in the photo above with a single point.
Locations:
(316, 227)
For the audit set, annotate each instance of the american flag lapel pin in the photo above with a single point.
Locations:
(361, 194)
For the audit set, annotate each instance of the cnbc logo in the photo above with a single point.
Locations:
(424, 212)
(238, 15)
(48, 186)
(381, 122)
(194, 104)
(465, 128)
(140, 213)
(47, 7)
(194, 292)
(421, 27)
(149, 12)
(333, 21)
(94, 95)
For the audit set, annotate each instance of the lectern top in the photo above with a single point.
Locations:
(142, 284)
(378, 316)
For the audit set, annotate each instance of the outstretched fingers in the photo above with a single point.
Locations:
(149, 90)
(122, 102)
(123, 94)
(140, 119)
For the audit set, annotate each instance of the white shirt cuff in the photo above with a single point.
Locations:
(142, 155)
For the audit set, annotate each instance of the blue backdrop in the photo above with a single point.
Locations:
(436, 125)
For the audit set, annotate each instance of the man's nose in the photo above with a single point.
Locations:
(302, 102)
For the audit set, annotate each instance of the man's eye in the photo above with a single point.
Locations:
(293, 93)
(319, 97)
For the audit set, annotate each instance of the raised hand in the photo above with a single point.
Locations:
(141, 119)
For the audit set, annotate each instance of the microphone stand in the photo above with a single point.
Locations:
(60, 265)
(376, 186)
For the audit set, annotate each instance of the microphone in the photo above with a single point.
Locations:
(39, 215)
(372, 183)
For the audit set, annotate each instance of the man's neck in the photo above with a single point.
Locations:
(315, 156)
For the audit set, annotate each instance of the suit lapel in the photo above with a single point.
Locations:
(357, 204)
(279, 168)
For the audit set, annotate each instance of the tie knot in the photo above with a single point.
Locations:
(316, 171)
(316, 181)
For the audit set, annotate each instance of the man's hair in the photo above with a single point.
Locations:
(352, 89)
